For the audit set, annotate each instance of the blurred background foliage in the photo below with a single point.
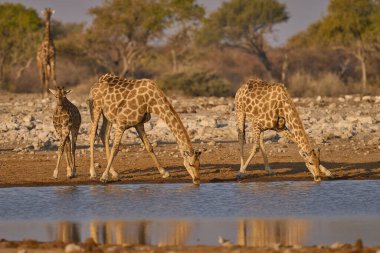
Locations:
(194, 53)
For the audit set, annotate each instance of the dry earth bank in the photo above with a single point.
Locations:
(345, 128)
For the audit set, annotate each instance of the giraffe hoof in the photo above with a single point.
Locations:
(196, 181)
(115, 177)
(165, 175)
(104, 179)
(241, 176)
(317, 179)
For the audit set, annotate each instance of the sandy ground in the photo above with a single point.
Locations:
(90, 246)
(219, 163)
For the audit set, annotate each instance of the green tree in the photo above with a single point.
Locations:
(350, 25)
(19, 32)
(186, 17)
(244, 24)
(121, 31)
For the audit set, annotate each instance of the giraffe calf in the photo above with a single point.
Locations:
(66, 120)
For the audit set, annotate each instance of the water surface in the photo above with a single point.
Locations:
(246, 213)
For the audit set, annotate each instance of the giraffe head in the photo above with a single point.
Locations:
(48, 12)
(60, 93)
(313, 163)
(192, 164)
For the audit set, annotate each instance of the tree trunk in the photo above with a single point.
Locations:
(174, 58)
(265, 61)
(284, 69)
(361, 57)
(23, 68)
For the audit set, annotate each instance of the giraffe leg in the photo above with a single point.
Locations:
(70, 163)
(264, 154)
(53, 73)
(240, 117)
(74, 136)
(114, 150)
(255, 148)
(60, 152)
(94, 125)
(326, 171)
(47, 77)
(149, 148)
(42, 76)
(68, 158)
(105, 133)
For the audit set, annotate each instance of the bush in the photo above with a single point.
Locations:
(305, 85)
(196, 84)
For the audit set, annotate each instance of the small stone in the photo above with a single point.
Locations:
(73, 248)
(211, 143)
(336, 245)
(97, 165)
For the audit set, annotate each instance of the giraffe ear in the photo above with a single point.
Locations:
(54, 92)
(67, 91)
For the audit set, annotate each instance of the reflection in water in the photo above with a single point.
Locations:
(248, 232)
(68, 232)
(140, 232)
(267, 232)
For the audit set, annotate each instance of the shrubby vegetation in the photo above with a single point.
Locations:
(189, 52)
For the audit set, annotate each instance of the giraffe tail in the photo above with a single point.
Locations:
(241, 128)
(90, 103)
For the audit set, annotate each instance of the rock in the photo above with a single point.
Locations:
(336, 245)
(211, 143)
(342, 100)
(373, 141)
(73, 248)
(367, 98)
(348, 97)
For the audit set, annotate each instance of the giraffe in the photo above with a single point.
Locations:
(66, 120)
(269, 107)
(129, 103)
(46, 55)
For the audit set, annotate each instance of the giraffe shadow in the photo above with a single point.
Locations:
(365, 170)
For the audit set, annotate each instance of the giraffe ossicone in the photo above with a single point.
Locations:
(268, 106)
(128, 103)
(66, 121)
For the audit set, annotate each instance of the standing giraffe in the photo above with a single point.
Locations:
(66, 120)
(269, 107)
(129, 103)
(46, 55)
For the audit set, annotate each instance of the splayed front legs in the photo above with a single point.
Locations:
(65, 146)
(140, 130)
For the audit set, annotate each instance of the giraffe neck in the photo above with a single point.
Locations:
(294, 123)
(47, 35)
(166, 112)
